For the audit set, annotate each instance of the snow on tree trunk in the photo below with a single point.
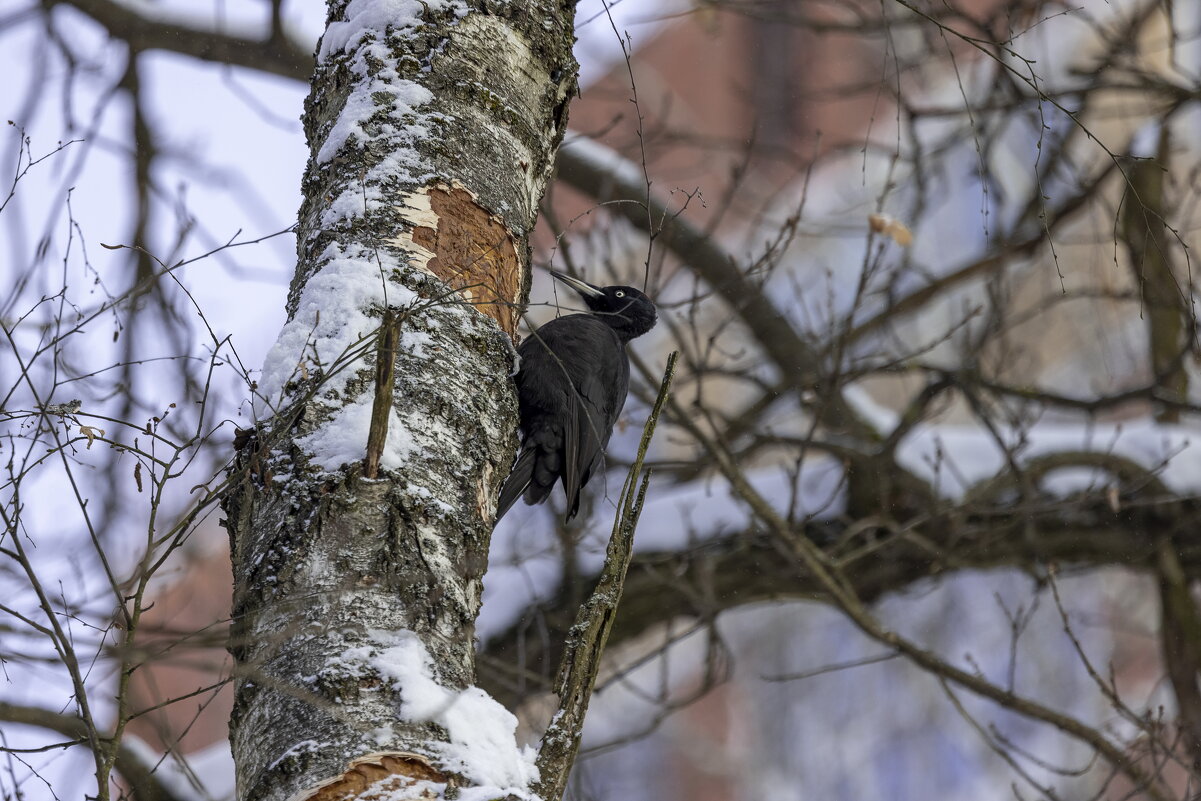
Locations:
(432, 127)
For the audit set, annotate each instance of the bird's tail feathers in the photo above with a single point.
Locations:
(515, 484)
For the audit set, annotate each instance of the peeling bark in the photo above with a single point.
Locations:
(432, 139)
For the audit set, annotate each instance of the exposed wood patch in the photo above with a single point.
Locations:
(485, 495)
(473, 253)
(375, 776)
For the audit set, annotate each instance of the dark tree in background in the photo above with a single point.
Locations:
(922, 517)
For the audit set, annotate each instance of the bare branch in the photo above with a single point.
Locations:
(279, 54)
(145, 784)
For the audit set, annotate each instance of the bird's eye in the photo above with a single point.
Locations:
(621, 294)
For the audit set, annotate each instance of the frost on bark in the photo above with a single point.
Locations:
(432, 127)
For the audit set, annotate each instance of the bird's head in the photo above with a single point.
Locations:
(629, 311)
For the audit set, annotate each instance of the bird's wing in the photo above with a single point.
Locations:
(576, 420)
(590, 424)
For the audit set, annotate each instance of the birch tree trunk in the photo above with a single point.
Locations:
(360, 534)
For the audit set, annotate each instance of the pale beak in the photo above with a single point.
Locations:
(583, 287)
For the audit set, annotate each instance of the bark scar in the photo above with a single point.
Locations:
(473, 252)
(374, 776)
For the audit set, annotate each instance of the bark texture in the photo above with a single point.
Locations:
(432, 137)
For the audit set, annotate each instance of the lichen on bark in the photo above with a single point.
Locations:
(463, 105)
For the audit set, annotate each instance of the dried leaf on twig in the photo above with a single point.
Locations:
(91, 433)
(892, 227)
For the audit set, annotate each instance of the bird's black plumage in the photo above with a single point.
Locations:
(572, 383)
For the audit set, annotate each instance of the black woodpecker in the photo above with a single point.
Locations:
(572, 381)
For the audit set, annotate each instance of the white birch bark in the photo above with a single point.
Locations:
(432, 127)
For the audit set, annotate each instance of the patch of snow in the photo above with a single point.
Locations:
(381, 95)
(364, 103)
(525, 565)
(605, 159)
(879, 416)
(955, 458)
(330, 333)
(482, 744)
(343, 438)
(369, 17)
(677, 517)
(330, 321)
